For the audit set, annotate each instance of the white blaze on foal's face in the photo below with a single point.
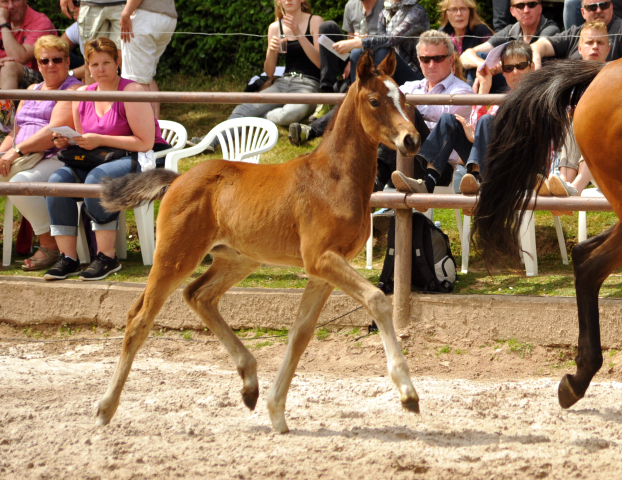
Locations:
(394, 94)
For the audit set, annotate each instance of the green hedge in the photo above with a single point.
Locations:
(217, 54)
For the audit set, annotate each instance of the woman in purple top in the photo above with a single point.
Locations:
(121, 125)
(30, 155)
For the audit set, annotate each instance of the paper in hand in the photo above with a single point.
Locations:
(493, 58)
(66, 132)
(327, 43)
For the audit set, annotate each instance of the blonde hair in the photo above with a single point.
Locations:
(458, 69)
(49, 42)
(278, 8)
(101, 45)
(474, 18)
(594, 25)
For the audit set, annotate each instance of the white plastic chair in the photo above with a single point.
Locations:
(588, 193)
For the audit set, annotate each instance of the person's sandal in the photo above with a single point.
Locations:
(51, 256)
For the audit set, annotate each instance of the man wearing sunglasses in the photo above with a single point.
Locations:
(565, 44)
(530, 25)
(20, 27)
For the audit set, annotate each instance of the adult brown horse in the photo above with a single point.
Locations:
(534, 116)
(311, 212)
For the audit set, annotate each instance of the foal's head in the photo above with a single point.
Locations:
(381, 105)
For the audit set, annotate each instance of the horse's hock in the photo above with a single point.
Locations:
(475, 319)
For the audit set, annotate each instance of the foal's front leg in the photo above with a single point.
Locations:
(336, 270)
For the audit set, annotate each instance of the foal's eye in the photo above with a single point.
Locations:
(374, 103)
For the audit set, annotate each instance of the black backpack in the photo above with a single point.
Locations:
(433, 265)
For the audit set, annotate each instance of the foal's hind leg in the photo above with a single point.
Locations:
(203, 296)
(593, 260)
(313, 299)
(335, 269)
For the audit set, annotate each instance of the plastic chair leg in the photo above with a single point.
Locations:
(145, 226)
(370, 243)
(528, 244)
(120, 244)
(8, 233)
(560, 239)
(459, 225)
(582, 226)
(466, 232)
(82, 246)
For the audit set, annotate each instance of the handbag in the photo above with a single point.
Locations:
(78, 157)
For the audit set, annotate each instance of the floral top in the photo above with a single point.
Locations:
(404, 18)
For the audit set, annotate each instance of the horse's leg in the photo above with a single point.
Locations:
(593, 260)
(203, 296)
(335, 269)
(163, 280)
(313, 299)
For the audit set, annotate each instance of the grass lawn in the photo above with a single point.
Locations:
(554, 278)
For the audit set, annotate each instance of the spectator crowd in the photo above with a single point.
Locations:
(121, 43)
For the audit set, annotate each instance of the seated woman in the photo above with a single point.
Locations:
(302, 63)
(29, 154)
(468, 138)
(461, 21)
(121, 125)
(401, 23)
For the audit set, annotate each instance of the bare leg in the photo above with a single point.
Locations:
(594, 260)
(567, 174)
(67, 245)
(153, 87)
(105, 241)
(203, 295)
(583, 178)
(315, 295)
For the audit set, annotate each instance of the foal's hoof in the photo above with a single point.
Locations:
(250, 398)
(567, 396)
(412, 405)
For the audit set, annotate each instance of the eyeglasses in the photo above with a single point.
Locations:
(518, 66)
(592, 7)
(435, 59)
(455, 10)
(55, 60)
(522, 5)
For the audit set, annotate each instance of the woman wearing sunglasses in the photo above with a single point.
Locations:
(29, 154)
(469, 138)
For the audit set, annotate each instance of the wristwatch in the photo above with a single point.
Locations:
(71, 73)
(7, 25)
(18, 151)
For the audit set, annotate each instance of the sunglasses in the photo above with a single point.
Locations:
(518, 66)
(522, 5)
(435, 59)
(56, 60)
(592, 7)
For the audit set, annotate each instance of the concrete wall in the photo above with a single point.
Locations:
(475, 318)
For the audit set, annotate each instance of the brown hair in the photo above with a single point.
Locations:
(474, 18)
(101, 45)
(278, 8)
(594, 25)
(49, 42)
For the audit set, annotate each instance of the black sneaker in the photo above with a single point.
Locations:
(63, 268)
(100, 268)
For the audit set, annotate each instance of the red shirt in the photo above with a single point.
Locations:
(35, 25)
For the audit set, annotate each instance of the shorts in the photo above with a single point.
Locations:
(152, 33)
(95, 22)
(30, 76)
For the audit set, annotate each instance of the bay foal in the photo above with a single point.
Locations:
(310, 212)
(533, 116)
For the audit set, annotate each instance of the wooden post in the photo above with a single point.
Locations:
(403, 253)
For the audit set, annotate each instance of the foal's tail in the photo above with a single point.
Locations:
(136, 188)
(533, 118)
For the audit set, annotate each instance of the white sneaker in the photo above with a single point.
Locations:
(559, 188)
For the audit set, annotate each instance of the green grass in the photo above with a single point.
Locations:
(554, 278)
(322, 333)
(443, 349)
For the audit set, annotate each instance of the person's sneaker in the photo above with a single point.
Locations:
(63, 268)
(559, 188)
(542, 187)
(320, 111)
(100, 268)
(298, 133)
(469, 185)
(405, 184)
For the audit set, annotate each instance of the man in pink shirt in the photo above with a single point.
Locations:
(20, 27)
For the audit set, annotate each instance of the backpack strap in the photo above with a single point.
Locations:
(426, 278)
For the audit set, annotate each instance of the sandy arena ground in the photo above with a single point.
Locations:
(485, 413)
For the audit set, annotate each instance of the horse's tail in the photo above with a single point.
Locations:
(136, 188)
(533, 118)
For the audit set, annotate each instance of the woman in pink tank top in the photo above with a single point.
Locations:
(101, 124)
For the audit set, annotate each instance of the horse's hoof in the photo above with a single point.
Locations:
(250, 398)
(412, 405)
(567, 396)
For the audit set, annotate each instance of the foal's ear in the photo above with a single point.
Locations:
(366, 68)
(388, 65)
